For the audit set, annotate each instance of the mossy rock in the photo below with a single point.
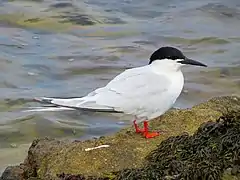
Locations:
(213, 148)
(129, 154)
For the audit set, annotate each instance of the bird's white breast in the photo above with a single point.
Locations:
(163, 101)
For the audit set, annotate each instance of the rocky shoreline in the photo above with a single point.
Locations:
(198, 143)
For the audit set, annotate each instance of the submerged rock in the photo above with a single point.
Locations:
(180, 152)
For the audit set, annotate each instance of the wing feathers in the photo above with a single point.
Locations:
(135, 91)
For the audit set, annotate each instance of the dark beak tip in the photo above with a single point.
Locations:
(194, 62)
(203, 65)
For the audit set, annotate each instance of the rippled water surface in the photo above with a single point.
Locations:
(69, 47)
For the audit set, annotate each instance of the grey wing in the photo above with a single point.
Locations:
(136, 91)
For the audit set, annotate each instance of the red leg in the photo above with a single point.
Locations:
(137, 128)
(148, 134)
(145, 125)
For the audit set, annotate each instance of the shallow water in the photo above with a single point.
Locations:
(68, 48)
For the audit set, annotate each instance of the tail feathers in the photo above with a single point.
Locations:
(45, 109)
(43, 100)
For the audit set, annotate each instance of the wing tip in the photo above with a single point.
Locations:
(43, 99)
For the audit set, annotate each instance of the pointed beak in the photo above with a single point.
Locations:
(192, 62)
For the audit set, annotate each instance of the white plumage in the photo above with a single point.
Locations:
(146, 92)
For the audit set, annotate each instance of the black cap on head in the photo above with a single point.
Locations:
(166, 53)
(172, 53)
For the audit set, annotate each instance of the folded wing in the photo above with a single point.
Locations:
(135, 91)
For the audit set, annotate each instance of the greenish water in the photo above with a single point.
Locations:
(68, 48)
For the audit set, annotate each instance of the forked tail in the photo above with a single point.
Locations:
(62, 104)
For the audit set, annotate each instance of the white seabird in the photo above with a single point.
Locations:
(145, 92)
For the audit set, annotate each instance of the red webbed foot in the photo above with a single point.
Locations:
(145, 131)
(148, 134)
(151, 134)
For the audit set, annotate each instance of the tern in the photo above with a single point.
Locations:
(145, 92)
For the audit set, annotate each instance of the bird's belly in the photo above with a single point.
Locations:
(163, 104)
(156, 105)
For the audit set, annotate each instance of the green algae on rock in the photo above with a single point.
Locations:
(213, 148)
(129, 156)
(42, 23)
(207, 154)
(57, 22)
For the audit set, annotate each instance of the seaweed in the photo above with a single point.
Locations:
(64, 176)
(207, 154)
(213, 148)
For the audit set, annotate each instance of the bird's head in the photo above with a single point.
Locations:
(173, 55)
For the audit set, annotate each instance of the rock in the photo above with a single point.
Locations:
(130, 154)
(13, 173)
(214, 147)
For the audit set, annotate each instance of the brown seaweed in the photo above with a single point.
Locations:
(212, 149)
